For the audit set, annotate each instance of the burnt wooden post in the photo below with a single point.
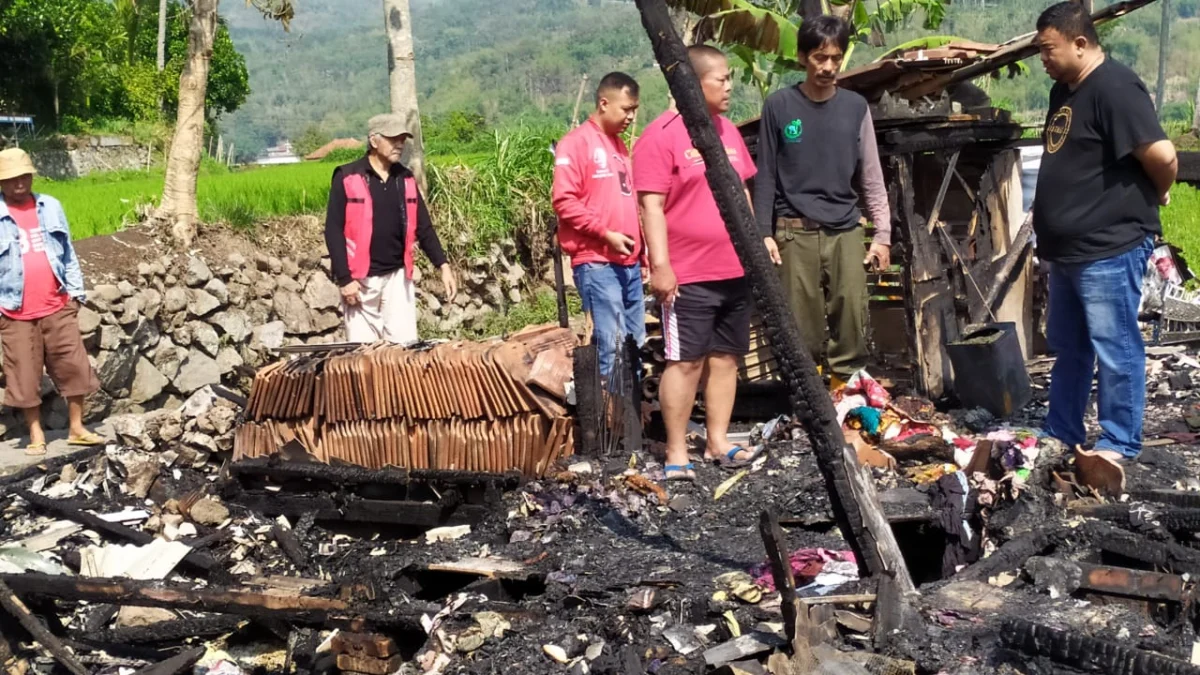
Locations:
(875, 548)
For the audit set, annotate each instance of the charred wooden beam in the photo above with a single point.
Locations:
(589, 400)
(324, 507)
(274, 468)
(1180, 498)
(1013, 260)
(48, 641)
(1088, 653)
(1175, 519)
(166, 631)
(1069, 576)
(179, 663)
(1013, 554)
(197, 559)
(810, 399)
(295, 608)
(289, 544)
(785, 583)
(1170, 556)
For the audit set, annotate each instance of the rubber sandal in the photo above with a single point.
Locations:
(87, 440)
(729, 461)
(35, 449)
(680, 472)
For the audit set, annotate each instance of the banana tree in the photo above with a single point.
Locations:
(761, 34)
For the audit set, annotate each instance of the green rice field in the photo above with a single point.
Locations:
(105, 203)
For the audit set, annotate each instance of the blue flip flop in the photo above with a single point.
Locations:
(680, 471)
(729, 461)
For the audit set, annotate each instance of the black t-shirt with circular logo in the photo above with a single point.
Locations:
(1093, 198)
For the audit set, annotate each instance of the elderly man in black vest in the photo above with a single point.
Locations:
(375, 220)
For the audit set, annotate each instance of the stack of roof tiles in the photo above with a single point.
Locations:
(492, 406)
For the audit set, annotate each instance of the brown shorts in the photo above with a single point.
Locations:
(53, 342)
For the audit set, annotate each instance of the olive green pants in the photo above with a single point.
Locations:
(826, 282)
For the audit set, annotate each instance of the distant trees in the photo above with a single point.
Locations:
(75, 64)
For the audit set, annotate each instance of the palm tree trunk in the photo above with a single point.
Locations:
(161, 61)
(183, 163)
(402, 73)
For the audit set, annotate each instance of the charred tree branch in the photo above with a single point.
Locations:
(810, 400)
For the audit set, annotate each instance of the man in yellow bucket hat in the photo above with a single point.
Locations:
(41, 285)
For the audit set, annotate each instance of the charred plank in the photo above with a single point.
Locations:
(166, 631)
(13, 605)
(303, 609)
(1170, 556)
(345, 474)
(1013, 554)
(176, 664)
(1088, 653)
(324, 507)
(1071, 576)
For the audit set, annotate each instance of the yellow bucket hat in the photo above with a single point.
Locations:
(15, 162)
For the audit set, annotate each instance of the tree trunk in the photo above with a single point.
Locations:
(1164, 39)
(161, 61)
(1196, 111)
(402, 72)
(183, 163)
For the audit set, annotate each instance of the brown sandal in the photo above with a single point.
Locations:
(35, 450)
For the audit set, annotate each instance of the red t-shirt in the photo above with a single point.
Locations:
(665, 162)
(43, 295)
(593, 193)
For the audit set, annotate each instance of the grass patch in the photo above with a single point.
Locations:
(1181, 222)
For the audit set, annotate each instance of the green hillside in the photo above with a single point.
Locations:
(520, 61)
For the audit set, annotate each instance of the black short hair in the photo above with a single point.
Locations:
(616, 81)
(701, 55)
(818, 30)
(1071, 20)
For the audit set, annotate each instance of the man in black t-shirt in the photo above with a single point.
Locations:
(816, 156)
(1106, 169)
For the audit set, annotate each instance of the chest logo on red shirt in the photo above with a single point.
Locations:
(600, 159)
(1058, 129)
(34, 241)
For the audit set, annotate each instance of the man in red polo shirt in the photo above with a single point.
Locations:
(598, 218)
(695, 273)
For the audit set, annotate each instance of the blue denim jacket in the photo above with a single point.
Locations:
(59, 251)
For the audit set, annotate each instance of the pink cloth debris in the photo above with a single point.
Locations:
(807, 563)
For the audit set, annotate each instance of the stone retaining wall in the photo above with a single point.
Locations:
(66, 164)
(183, 323)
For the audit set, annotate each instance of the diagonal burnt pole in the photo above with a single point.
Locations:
(855, 503)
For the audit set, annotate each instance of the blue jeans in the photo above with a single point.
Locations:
(612, 294)
(1093, 319)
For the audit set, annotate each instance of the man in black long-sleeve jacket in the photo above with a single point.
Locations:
(375, 220)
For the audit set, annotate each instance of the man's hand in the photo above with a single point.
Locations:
(773, 250)
(351, 294)
(879, 257)
(1165, 200)
(663, 285)
(620, 243)
(449, 282)
(645, 274)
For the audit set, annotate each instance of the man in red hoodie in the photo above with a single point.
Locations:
(598, 218)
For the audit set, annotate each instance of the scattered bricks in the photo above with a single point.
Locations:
(369, 666)
(364, 645)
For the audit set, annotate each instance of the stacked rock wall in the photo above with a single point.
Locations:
(181, 323)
